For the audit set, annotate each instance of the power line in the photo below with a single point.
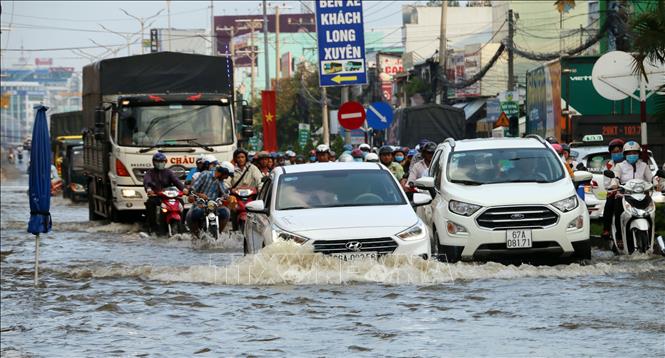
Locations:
(106, 19)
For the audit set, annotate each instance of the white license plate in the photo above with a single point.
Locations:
(518, 239)
(354, 256)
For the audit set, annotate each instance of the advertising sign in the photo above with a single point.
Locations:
(341, 42)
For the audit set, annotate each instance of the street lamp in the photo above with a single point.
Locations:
(127, 37)
(142, 21)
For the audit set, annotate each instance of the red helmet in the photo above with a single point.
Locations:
(618, 142)
(557, 148)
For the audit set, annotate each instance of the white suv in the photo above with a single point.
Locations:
(503, 197)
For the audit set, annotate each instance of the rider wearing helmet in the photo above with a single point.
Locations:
(559, 151)
(291, 157)
(399, 155)
(552, 140)
(570, 161)
(245, 173)
(386, 158)
(333, 155)
(154, 181)
(615, 148)
(200, 166)
(357, 155)
(420, 168)
(372, 158)
(312, 156)
(322, 153)
(264, 163)
(210, 186)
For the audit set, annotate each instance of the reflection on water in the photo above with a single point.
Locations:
(109, 290)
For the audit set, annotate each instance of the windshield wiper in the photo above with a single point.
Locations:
(297, 208)
(466, 182)
(526, 181)
(144, 150)
(193, 141)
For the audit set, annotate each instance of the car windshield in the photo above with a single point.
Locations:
(175, 125)
(512, 165)
(338, 188)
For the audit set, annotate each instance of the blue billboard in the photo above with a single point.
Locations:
(341, 40)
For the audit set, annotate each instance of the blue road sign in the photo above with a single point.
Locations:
(341, 40)
(379, 115)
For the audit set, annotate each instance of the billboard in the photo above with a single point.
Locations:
(543, 100)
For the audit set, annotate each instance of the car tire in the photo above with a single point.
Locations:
(434, 243)
(582, 250)
(450, 254)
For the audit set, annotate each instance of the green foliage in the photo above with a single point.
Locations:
(416, 85)
(337, 145)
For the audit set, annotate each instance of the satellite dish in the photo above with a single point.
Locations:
(613, 76)
(655, 74)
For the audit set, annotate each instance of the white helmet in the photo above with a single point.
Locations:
(372, 158)
(631, 145)
(290, 153)
(345, 157)
(322, 148)
(226, 164)
(364, 147)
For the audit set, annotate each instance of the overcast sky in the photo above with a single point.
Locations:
(73, 24)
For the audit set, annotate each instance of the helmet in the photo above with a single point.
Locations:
(223, 170)
(631, 146)
(430, 147)
(262, 154)
(565, 148)
(200, 159)
(386, 150)
(618, 142)
(345, 157)
(322, 148)
(239, 151)
(551, 140)
(364, 147)
(557, 148)
(290, 154)
(159, 161)
(411, 153)
(211, 159)
(423, 142)
(229, 166)
(357, 153)
(347, 147)
(274, 155)
(372, 157)
(332, 153)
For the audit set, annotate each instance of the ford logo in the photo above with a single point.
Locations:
(354, 245)
(517, 216)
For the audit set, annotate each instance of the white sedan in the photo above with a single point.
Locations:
(348, 210)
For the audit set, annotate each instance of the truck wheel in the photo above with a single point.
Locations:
(92, 216)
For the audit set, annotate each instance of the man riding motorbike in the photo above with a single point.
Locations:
(615, 148)
(420, 168)
(209, 186)
(386, 158)
(200, 167)
(245, 174)
(322, 153)
(154, 181)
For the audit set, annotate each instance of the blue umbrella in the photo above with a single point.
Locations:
(40, 181)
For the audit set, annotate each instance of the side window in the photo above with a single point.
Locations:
(267, 199)
(439, 172)
(264, 191)
(435, 164)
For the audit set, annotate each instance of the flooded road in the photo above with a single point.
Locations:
(108, 290)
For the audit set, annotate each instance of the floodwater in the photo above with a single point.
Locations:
(108, 290)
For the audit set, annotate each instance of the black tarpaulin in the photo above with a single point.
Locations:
(431, 121)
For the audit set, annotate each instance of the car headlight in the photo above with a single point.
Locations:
(280, 234)
(567, 204)
(461, 208)
(415, 232)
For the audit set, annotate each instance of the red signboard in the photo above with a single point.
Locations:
(351, 115)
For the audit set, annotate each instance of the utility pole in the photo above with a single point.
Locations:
(265, 43)
(324, 116)
(127, 37)
(231, 30)
(168, 10)
(277, 59)
(344, 99)
(142, 22)
(511, 33)
(442, 48)
(213, 38)
(252, 24)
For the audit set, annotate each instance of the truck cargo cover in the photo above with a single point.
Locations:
(162, 72)
(428, 121)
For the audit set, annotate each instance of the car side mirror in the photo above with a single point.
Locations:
(420, 199)
(582, 176)
(426, 183)
(257, 206)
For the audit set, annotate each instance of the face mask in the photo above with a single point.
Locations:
(160, 165)
(312, 159)
(632, 158)
(617, 157)
(399, 159)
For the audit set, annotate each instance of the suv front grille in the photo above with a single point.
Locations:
(533, 217)
(383, 245)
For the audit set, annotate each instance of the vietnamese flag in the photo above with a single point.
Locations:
(269, 121)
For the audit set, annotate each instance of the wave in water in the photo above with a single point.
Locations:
(289, 263)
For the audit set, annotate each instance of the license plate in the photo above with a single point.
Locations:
(518, 239)
(354, 256)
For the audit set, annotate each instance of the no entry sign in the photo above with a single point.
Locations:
(351, 115)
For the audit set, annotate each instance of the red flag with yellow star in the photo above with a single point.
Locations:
(269, 121)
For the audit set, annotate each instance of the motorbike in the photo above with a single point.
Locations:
(20, 157)
(637, 219)
(170, 213)
(237, 201)
(210, 219)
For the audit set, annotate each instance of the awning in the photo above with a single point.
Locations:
(471, 108)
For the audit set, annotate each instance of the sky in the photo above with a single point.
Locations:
(41, 25)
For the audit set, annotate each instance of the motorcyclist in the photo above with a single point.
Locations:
(615, 148)
(312, 156)
(200, 166)
(291, 156)
(387, 158)
(357, 155)
(559, 151)
(365, 149)
(569, 160)
(323, 153)
(210, 186)
(154, 181)
(399, 155)
(347, 148)
(263, 163)
(300, 159)
(333, 155)
(420, 168)
(280, 161)
(245, 173)
(552, 140)
(372, 158)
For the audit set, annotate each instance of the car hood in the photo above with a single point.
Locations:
(511, 193)
(346, 218)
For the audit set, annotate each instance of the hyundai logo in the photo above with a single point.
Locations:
(517, 216)
(354, 245)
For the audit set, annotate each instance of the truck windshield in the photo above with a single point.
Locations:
(175, 125)
(491, 166)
